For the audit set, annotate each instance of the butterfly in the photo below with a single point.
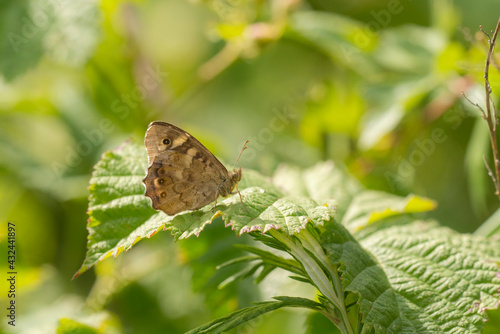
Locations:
(183, 174)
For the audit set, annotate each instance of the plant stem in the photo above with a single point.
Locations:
(491, 116)
(316, 273)
(309, 242)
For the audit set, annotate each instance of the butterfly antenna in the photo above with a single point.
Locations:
(242, 149)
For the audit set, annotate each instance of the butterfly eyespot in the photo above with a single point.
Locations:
(166, 141)
(161, 181)
(163, 194)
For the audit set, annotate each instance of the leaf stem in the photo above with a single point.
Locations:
(309, 242)
(333, 293)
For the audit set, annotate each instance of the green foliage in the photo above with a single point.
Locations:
(68, 326)
(405, 274)
(372, 90)
(63, 31)
(490, 227)
(98, 323)
(241, 316)
(116, 188)
(427, 278)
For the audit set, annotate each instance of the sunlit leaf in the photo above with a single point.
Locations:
(68, 326)
(120, 215)
(325, 182)
(370, 207)
(491, 226)
(425, 278)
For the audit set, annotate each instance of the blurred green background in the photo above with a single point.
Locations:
(375, 85)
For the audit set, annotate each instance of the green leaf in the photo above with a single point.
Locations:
(491, 226)
(421, 278)
(238, 260)
(370, 207)
(450, 278)
(65, 31)
(265, 211)
(325, 182)
(362, 275)
(478, 180)
(86, 323)
(273, 259)
(239, 276)
(340, 38)
(241, 316)
(68, 326)
(19, 52)
(120, 215)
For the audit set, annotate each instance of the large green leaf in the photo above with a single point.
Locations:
(422, 277)
(419, 277)
(120, 215)
(362, 274)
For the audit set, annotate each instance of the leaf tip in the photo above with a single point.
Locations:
(121, 249)
(216, 215)
(80, 271)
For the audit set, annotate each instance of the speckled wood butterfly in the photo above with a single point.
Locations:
(183, 174)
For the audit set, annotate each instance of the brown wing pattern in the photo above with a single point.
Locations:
(182, 173)
(180, 141)
(176, 182)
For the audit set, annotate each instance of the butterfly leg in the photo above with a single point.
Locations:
(216, 197)
(241, 199)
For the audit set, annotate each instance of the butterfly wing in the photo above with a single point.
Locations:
(182, 173)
